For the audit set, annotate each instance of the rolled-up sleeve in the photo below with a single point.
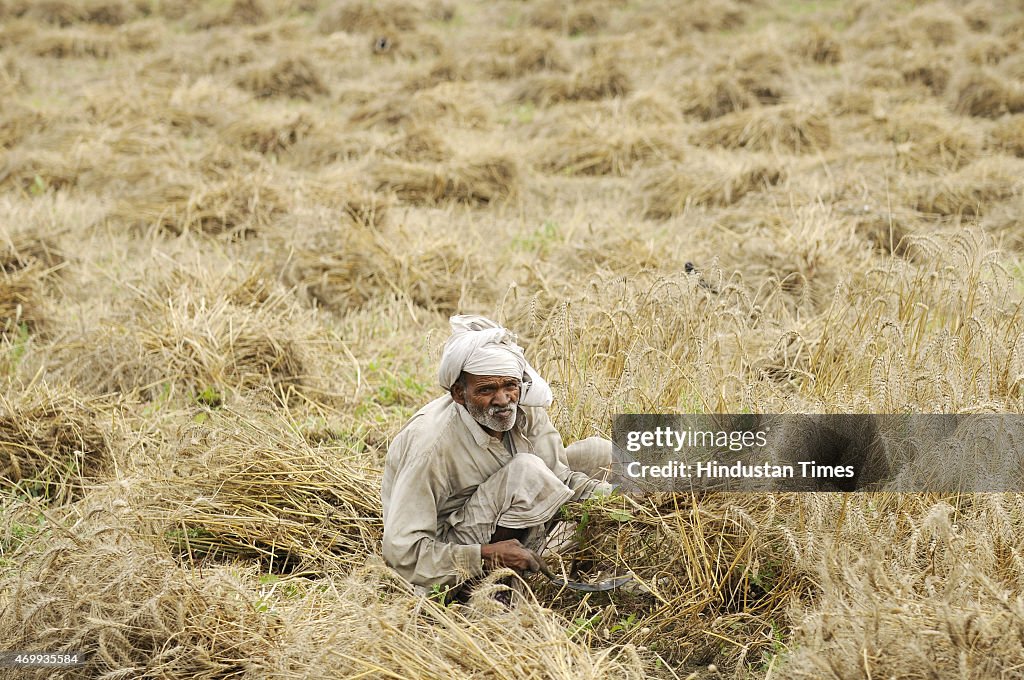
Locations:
(411, 547)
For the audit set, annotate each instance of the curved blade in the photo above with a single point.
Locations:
(599, 586)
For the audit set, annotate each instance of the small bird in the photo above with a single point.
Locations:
(690, 269)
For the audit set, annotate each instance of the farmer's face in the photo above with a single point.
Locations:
(491, 400)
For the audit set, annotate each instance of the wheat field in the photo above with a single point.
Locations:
(232, 233)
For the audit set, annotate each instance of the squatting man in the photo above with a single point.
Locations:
(473, 479)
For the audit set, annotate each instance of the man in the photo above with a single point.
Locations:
(472, 479)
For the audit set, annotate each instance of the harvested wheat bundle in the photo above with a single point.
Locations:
(575, 19)
(301, 138)
(1013, 67)
(938, 23)
(179, 339)
(930, 70)
(77, 43)
(343, 192)
(18, 122)
(222, 54)
(51, 445)
(269, 132)
(714, 96)
(444, 69)
(972, 190)
(294, 77)
(988, 50)
(513, 55)
(682, 18)
(109, 594)
(1008, 135)
(601, 79)
(419, 144)
(780, 129)
(236, 207)
(475, 181)
(977, 14)
(926, 138)
(668, 190)
(23, 308)
(19, 250)
(367, 16)
(343, 269)
(419, 45)
(984, 94)
(820, 45)
(265, 494)
(239, 13)
(57, 12)
(112, 12)
(27, 264)
(885, 26)
(762, 71)
(62, 13)
(650, 107)
(605, 150)
(857, 101)
(456, 103)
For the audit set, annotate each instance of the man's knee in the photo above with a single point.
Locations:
(591, 456)
(527, 465)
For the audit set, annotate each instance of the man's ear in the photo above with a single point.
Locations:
(458, 393)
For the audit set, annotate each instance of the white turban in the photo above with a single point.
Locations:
(482, 347)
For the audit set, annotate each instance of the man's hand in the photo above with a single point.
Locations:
(511, 554)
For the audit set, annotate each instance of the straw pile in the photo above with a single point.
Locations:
(605, 150)
(27, 263)
(714, 96)
(513, 55)
(51, 445)
(971, 191)
(176, 338)
(571, 20)
(1008, 135)
(668, 190)
(926, 139)
(344, 268)
(985, 94)
(294, 77)
(780, 129)
(451, 103)
(237, 206)
(821, 46)
(600, 79)
(475, 181)
(367, 16)
(250, 487)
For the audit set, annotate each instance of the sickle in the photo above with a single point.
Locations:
(600, 586)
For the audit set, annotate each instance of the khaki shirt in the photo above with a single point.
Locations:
(432, 468)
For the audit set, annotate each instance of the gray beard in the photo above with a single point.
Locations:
(491, 420)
